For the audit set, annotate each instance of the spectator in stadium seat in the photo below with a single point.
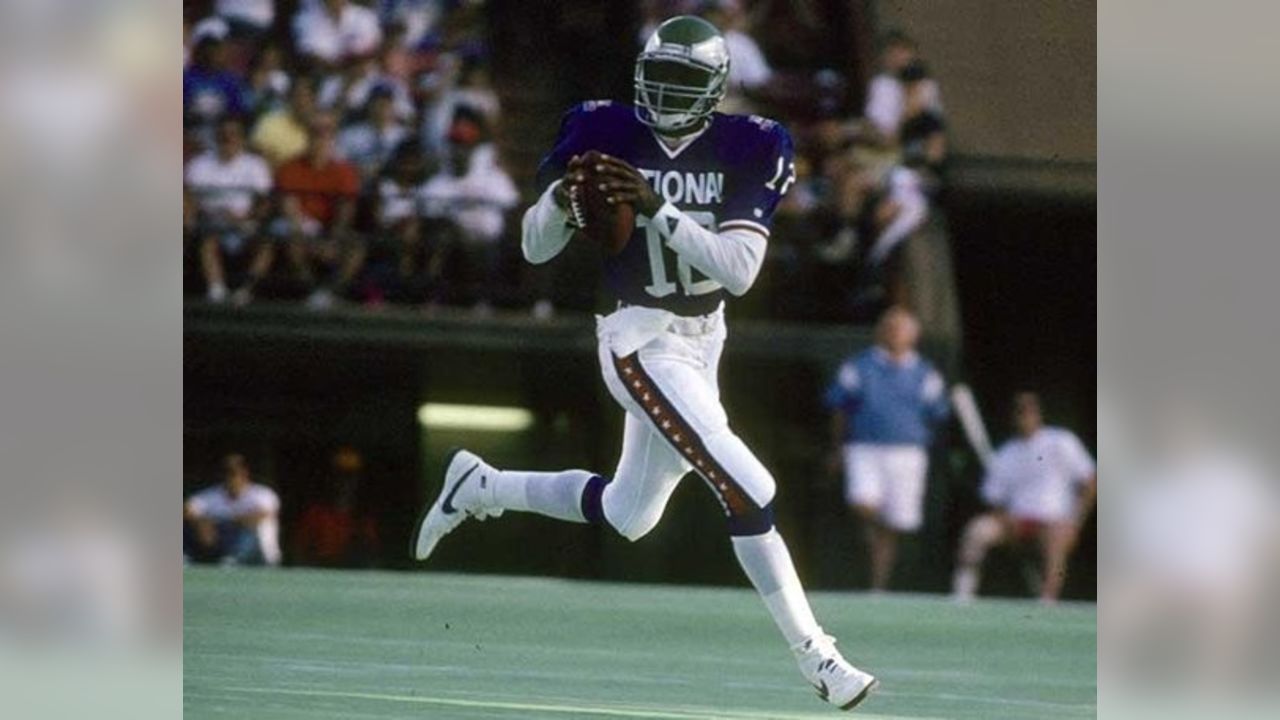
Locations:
(1041, 486)
(885, 404)
(347, 93)
(228, 190)
(406, 262)
(233, 522)
(749, 71)
(335, 530)
(268, 83)
(209, 90)
(249, 19)
(922, 135)
(472, 194)
(886, 95)
(281, 135)
(329, 33)
(318, 194)
(368, 144)
(464, 86)
(418, 18)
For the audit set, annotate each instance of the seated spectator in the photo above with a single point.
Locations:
(335, 531)
(466, 85)
(229, 190)
(249, 19)
(318, 195)
(407, 260)
(346, 93)
(328, 33)
(268, 83)
(234, 522)
(922, 135)
(1041, 486)
(749, 71)
(209, 90)
(886, 97)
(369, 144)
(418, 18)
(903, 211)
(473, 194)
(281, 135)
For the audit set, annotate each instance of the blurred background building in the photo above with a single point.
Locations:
(361, 306)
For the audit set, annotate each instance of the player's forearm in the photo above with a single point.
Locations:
(731, 258)
(545, 229)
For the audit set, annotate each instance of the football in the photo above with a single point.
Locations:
(609, 225)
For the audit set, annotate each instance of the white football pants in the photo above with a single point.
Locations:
(661, 369)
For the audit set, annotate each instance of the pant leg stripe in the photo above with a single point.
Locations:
(668, 421)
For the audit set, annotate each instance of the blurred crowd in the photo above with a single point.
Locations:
(344, 151)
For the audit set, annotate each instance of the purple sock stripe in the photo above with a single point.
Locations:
(671, 425)
(593, 500)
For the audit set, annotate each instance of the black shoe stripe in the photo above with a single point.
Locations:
(447, 508)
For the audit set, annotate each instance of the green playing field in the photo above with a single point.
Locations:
(267, 645)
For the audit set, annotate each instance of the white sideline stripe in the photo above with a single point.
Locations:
(559, 708)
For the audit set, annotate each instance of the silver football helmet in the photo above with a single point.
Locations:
(681, 75)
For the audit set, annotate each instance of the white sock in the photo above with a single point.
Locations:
(964, 585)
(554, 494)
(765, 560)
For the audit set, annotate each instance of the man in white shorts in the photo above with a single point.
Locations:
(885, 403)
(1041, 486)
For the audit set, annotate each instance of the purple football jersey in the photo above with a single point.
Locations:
(730, 176)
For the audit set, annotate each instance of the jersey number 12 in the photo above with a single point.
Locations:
(661, 285)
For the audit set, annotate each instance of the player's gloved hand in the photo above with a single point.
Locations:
(572, 176)
(622, 183)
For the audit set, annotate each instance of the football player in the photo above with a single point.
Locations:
(704, 187)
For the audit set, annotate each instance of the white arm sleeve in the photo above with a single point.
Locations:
(545, 228)
(731, 258)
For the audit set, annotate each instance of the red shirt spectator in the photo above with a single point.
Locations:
(318, 187)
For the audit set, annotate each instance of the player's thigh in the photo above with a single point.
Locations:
(677, 399)
(904, 471)
(864, 476)
(648, 472)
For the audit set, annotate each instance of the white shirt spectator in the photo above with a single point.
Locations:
(331, 95)
(258, 13)
(419, 17)
(887, 99)
(437, 117)
(906, 190)
(355, 31)
(369, 147)
(747, 68)
(215, 504)
(1037, 478)
(477, 201)
(229, 187)
(396, 202)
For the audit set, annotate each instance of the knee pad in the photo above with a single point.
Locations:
(635, 525)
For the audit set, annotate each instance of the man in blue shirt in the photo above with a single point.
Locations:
(885, 403)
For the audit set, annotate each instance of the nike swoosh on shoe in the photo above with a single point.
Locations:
(447, 508)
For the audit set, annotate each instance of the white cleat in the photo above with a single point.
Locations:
(836, 681)
(467, 492)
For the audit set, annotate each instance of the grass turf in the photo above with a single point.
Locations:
(275, 645)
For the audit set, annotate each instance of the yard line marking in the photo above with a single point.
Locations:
(557, 708)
